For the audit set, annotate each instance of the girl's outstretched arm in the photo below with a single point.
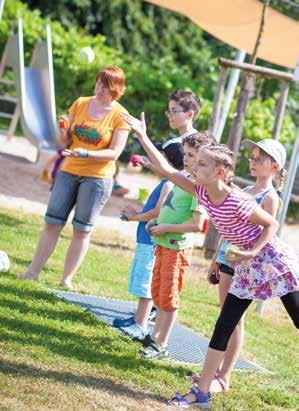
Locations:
(159, 161)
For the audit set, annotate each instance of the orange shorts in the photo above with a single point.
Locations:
(168, 276)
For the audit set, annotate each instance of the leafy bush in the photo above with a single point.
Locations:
(72, 76)
(149, 82)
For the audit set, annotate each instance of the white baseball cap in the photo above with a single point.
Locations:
(272, 147)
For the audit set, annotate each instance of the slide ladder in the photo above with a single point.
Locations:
(35, 104)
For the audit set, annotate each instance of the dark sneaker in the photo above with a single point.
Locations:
(146, 341)
(123, 322)
(152, 316)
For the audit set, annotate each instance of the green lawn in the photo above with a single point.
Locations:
(55, 355)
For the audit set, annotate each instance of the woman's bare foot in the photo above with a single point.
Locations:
(67, 284)
(28, 275)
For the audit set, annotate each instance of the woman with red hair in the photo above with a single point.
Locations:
(96, 135)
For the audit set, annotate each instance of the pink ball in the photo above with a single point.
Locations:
(136, 160)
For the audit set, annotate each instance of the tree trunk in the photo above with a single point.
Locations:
(235, 134)
(236, 130)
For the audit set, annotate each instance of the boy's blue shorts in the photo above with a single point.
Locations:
(142, 271)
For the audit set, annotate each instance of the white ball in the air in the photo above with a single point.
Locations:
(87, 54)
(4, 262)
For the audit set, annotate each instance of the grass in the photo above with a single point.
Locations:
(55, 355)
(5, 123)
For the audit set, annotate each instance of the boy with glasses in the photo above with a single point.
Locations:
(172, 234)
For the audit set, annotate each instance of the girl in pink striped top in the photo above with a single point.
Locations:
(264, 267)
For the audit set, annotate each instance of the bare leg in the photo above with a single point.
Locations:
(44, 249)
(212, 362)
(167, 321)
(143, 312)
(236, 340)
(158, 324)
(232, 311)
(75, 255)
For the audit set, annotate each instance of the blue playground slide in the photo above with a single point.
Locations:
(35, 90)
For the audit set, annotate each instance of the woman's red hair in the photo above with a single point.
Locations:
(114, 79)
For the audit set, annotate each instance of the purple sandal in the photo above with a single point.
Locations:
(202, 400)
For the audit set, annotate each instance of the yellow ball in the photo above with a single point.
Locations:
(230, 252)
(87, 55)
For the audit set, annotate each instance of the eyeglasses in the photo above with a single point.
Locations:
(174, 111)
(257, 160)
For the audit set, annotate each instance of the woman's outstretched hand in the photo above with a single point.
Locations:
(139, 126)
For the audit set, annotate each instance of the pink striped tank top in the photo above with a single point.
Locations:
(230, 218)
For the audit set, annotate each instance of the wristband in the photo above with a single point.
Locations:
(85, 154)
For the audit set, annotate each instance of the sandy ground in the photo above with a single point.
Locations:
(21, 186)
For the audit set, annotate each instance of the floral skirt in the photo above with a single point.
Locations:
(273, 272)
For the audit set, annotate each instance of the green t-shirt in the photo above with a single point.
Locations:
(177, 209)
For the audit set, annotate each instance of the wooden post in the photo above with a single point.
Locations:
(3, 61)
(14, 122)
(281, 105)
(261, 71)
(214, 121)
(237, 126)
(260, 306)
(211, 241)
(235, 134)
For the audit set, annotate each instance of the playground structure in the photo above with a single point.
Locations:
(285, 79)
(35, 105)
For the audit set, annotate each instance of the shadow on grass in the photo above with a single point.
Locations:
(19, 261)
(116, 246)
(9, 221)
(110, 386)
(50, 309)
(65, 235)
(108, 349)
(36, 324)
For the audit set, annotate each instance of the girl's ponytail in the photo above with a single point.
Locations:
(229, 178)
(280, 186)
